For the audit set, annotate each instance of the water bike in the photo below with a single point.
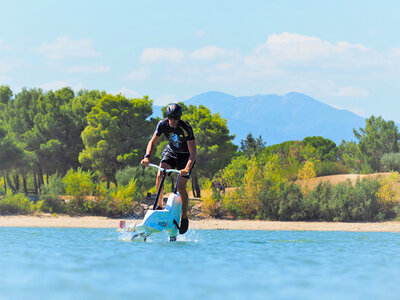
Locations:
(155, 221)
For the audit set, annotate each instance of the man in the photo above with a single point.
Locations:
(179, 154)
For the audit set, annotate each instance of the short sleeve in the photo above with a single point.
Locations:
(159, 130)
(190, 132)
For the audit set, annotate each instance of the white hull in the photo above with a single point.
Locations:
(163, 220)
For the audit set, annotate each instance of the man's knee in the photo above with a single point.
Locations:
(163, 165)
(182, 182)
(182, 190)
(182, 186)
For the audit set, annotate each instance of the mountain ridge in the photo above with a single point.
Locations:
(276, 118)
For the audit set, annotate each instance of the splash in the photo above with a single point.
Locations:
(128, 236)
(190, 236)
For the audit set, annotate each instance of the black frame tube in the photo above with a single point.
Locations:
(164, 173)
(176, 185)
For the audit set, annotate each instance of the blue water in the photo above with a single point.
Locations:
(53, 263)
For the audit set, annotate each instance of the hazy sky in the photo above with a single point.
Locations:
(343, 53)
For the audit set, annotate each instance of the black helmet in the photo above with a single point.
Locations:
(174, 111)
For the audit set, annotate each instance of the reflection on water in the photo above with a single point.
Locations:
(42, 263)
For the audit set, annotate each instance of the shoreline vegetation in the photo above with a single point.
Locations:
(199, 222)
(78, 154)
(65, 221)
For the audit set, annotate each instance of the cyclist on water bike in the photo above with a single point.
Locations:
(179, 154)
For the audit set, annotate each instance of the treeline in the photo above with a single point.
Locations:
(47, 133)
(273, 182)
(90, 144)
(78, 192)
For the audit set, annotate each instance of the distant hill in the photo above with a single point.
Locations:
(293, 116)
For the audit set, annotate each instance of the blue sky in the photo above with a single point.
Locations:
(343, 53)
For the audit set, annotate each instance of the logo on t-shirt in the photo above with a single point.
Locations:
(185, 133)
(174, 138)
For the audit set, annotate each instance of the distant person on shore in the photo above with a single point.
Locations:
(179, 154)
(221, 188)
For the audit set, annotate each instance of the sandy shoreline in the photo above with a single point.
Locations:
(47, 220)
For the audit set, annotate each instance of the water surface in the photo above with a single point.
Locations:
(65, 263)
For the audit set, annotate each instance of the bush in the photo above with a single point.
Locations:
(50, 194)
(16, 204)
(326, 168)
(52, 204)
(238, 205)
(145, 178)
(356, 203)
(343, 202)
(233, 174)
(123, 200)
(55, 186)
(391, 161)
(281, 201)
(307, 171)
(100, 207)
(316, 205)
(78, 184)
(366, 200)
(269, 200)
(389, 195)
(290, 203)
(211, 200)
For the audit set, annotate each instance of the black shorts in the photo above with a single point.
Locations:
(176, 160)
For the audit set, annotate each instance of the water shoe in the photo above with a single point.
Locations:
(184, 226)
(159, 207)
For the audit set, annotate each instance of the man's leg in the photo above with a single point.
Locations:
(185, 199)
(163, 165)
(184, 196)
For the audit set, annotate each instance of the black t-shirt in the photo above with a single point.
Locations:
(177, 137)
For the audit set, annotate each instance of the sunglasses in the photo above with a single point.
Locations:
(174, 118)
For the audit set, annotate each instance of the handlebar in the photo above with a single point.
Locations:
(166, 170)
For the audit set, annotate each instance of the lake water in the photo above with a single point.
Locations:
(65, 263)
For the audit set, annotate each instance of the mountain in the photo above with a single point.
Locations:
(277, 119)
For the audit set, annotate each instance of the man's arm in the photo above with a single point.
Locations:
(192, 157)
(152, 143)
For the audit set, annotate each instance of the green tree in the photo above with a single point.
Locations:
(22, 111)
(214, 143)
(11, 156)
(116, 135)
(63, 120)
(325, 148)
(233, 174)
(391, 162)
(251, 146)
(292, 155)
(77, 110)
(351, 156)
(377, 138)
(5, 94)
(328, 153)
(48, 127)
(19, 117)
(51, 132)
